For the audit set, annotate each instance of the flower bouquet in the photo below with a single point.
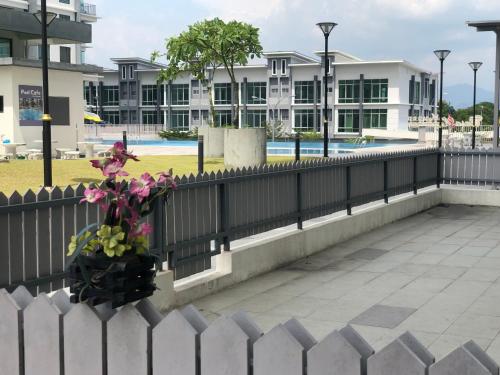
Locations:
(110, 261)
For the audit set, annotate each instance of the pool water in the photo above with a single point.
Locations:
(277, 148)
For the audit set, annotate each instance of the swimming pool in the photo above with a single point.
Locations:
(276, 148)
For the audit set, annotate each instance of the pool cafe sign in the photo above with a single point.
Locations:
(30, 105)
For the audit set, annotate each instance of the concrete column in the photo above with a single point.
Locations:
(497, 93)
(361, 101)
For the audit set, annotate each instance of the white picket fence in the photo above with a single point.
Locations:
(49, 336)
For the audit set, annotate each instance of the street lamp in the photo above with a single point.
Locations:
(326, 28)
(441, 54)
(46, 18)
(475, 65)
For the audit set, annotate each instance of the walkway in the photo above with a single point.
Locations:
(435, 274)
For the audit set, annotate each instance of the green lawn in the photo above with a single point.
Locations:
(22, 175)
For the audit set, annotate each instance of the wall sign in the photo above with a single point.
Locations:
(30, 105)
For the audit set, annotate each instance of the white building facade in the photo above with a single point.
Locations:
(288, 87)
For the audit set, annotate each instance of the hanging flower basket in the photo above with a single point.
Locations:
(111, 262)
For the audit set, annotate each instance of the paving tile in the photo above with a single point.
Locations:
(412, 269)
(493, 290)
(467, 288)
(408, 298)
(447, 272)
(320, 328)
(482, 242)
(378, 266)
(488, 262)
(412, 247)
(397, 256)
(458, 260)
(445, 344)
(386, 244)
(354, 277)
(367, 254)
(494, 253)
(427, 239)
(383, 316)
(475, 325)
(429, 321)
(449, 303)
(339, 311)
(428, 284)
(298, 306)
(475, 251)
(452, 241)
(494, 349)
(481, 274)
(485, 305)
(427, 258)
(440, 248)
(331, 292)
(256, 304)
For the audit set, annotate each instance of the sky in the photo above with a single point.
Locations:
(369, 29)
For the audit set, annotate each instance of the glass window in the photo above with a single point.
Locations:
(349, 91)
(195, 115)
(223, 118)
(304, 120)
(110, 95)
(1, 104)
(40, 52)
(112, 117)
(283, 67)
(274, 67)
(417, 93)
(131, 72)
(375, 118)
(86, 93)
(348, 120)
(222, 93)
(180, 120)
(124, 72)
(149, 94)
(64, 17)
(256, 93)
(284, 114)
(256, 118)
(133, 90)
(426, 88)
(64, 1)
(180, 94)
(304, 92)
(124, 117)
(149, 117)
(375, 90)
(328, 66)
(65, 55)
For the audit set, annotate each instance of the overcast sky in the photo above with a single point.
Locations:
(370, 29)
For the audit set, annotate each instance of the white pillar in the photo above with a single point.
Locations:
(497, 93)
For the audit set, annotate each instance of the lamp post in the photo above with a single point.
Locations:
(475, 65)
(441, 54)
(46, 18)
(326, 28)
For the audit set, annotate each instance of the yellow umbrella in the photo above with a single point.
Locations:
(89, 116)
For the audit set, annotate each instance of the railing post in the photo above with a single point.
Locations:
(124, 136)
(386, 182)
(415, 176)
(348, 190)
(438, 175)
(297, 147)
(160, 231)
(299, 200)
(200, 154)
(224, 215)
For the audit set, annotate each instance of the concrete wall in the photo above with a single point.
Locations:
(244, 147)
(213, 139)
(61, 83)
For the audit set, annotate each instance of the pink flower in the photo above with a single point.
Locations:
(145, 229)
(142, 187)
(114, 169)
(93, 195)
(119, 153)
(99, 164)
(167, 179)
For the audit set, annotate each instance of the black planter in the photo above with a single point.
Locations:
(99, 279)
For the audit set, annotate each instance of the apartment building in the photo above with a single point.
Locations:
(21, 74)
(286, 87)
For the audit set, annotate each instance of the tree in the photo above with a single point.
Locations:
(484, 109)
(187, 54)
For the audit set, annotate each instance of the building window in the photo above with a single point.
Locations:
(82, 56)
(426, 88)
(40, 52)
(65, 55)
(223, 118)
(124, 72)
(133, 90)
(256, 118)
(180, 120)
(256, 93)
(5, 47)
(111, 117)
(149, 117)
(417, 93)
(304, 120)
(86, 92)
(64, 1)
(222, 93)
(375, 90)
(110, 96)
(1, 104)
(349, 91)
(131, 72)
(285, 114)
(375, 118)
(123, 90)
(64, 17)
(180, 94)
(195, 87)
(283, 67)
(348, 120)
(274, 67)
(304, 92)
(149, 94)
(195, 115)
(328, 66)
(124, 117)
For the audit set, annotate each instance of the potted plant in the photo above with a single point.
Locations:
(110, 261)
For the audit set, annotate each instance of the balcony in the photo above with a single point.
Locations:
(89, 9)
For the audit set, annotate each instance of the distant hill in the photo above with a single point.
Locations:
(460, 96)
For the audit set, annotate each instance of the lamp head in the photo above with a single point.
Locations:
(442, 54)
(326, 27)
(51, 16)
(475, 65)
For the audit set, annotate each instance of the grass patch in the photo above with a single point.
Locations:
(22, 175)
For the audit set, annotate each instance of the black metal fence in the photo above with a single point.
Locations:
(207, 209)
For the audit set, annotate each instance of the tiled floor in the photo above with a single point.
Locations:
(436, 274)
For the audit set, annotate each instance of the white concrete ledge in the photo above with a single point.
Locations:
(471, 195)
